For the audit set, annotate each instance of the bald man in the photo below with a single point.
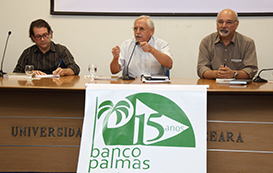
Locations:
(227, 53)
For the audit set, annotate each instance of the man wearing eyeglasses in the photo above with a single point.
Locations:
(46, 56)
(227, 53)
(151, 55)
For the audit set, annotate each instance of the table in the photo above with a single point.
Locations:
(41, 121)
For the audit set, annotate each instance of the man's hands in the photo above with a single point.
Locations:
(38, 72)
(63, 71)
(225, 72)
(59, 71)
(146, 47)
(114, 66)
(115, 52)
(162, 58)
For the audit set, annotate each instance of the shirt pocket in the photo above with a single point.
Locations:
(237, 63)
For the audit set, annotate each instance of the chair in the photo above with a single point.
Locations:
(167, 73)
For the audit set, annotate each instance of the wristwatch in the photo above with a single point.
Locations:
(235, 74)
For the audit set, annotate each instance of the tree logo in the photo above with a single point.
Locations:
(144, 119)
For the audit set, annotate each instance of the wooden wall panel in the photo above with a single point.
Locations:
(42, 103)
(47, 111)
(40, 131)
(240, 107)
(39, 159)
(240, 136)
(236, 162)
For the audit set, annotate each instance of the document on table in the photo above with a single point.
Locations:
(223, 81)
(48, 76)
(240, 81)
(155, 79)
(106, 78)
(233, 81)
(15, 75)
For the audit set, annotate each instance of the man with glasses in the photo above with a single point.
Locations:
(227, 53)
(46, 56)
(151, 55)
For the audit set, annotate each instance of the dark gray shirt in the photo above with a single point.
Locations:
(240, 54)
(46, 62)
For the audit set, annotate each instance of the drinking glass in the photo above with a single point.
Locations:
(29, 70)
(92, 68)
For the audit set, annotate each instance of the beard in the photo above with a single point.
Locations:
(224, 32)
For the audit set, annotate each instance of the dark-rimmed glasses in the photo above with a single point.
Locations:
(39, 37)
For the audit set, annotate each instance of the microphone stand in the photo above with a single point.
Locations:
(127, 77)
(258, 78)
(1, 70)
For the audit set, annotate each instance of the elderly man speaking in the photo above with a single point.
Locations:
(143, 54)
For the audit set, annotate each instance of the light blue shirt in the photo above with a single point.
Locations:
(142, 62)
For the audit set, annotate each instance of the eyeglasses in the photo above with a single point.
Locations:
(141, 29)
(39, 37)
(228, 22)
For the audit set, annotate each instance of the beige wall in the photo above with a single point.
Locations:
(91, 38)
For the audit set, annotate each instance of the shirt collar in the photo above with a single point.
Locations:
(218, 39)
(52, 48)
(150, 41)
(233, 40)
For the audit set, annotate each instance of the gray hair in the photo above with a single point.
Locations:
(150, 23)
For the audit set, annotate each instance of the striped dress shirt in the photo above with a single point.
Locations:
(46, 62)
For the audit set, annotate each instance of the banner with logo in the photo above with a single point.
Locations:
(144, 128)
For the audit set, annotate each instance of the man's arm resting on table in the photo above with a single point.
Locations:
(63, 72)
(212, 74)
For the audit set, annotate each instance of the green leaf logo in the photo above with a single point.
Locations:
(145, 119)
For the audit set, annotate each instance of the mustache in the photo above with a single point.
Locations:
(138, 35)
(224, 30)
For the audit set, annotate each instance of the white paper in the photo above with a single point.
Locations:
(47, 76)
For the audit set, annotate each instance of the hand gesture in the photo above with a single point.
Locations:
(145, 46)
(115, 52)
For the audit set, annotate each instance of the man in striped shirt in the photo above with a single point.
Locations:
(46, 56)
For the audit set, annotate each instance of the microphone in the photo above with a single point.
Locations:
(127, 77)
(1, 70)
(258, 78)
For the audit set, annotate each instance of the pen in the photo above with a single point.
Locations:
(60, 63)
(225, 63)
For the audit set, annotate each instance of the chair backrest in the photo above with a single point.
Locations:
(167, 73)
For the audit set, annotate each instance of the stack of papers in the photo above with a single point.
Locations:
(47, 76)
(23, 76)
(155, 79)
(240, 81)
(107, 78)
(233, 81)
(15, 75)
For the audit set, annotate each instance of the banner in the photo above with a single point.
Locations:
(144, 128)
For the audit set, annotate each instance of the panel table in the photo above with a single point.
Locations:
(41, 121)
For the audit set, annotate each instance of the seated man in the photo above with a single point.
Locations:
(227, 53)
(151, 55)
(46, 56)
